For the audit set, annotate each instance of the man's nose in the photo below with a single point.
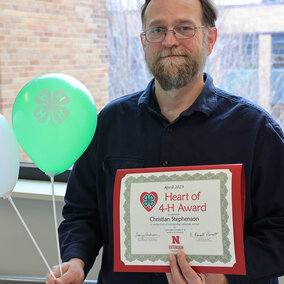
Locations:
(170, 39)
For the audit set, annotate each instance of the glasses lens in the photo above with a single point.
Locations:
(155, 35)
(180, 31)
(184, 31)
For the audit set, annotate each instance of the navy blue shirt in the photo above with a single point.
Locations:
(218, 128)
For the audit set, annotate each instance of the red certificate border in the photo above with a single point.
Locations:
(238, 205)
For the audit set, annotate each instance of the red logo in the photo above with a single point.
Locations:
(149, 200)
(175, 240)
(175, 243)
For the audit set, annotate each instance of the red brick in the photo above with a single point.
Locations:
(52, 36)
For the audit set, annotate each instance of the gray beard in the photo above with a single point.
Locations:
(179, 75)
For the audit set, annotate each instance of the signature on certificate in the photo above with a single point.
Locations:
(204, 236)
(145, 236)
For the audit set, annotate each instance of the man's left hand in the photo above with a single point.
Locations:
(182, 273)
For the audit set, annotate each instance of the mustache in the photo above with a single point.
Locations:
(173, 52)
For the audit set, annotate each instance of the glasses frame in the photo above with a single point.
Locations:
(174, 32)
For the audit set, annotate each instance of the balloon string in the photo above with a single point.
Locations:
(55, 224)
(27, 229)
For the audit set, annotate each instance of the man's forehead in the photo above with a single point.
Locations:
(178, 21)
(176, 10)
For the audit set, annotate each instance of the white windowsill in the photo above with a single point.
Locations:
(33, 189)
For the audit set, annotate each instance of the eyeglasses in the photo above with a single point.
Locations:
(180, 32)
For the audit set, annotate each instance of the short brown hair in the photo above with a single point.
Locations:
(209, 12)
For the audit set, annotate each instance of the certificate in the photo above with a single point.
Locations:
(199, 209)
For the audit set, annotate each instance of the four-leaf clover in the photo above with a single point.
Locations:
(51, 107)
(149, 200)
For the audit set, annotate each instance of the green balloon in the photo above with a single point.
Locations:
(54, 117)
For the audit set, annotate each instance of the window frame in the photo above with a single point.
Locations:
(30, 171)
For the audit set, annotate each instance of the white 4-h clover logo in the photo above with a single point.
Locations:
(51, 107)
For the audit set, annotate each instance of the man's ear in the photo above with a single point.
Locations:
(143, 40)
(212, 37)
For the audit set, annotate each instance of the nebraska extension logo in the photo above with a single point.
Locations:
(175, 243)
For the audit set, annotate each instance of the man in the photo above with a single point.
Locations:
(180, 119)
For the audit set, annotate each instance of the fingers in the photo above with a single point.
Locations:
(181, 271)
(170, 278)
(175, 277)
(50, 279)
(72, 272)
(172, 260)
(56, 272)
(188, 273)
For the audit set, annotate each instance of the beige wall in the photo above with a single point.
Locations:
(18, 255)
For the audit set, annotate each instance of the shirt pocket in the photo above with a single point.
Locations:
(112, 164)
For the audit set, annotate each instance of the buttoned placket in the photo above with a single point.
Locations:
(166, 145)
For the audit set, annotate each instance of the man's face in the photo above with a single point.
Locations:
(174, 63)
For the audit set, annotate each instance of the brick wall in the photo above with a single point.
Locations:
(52, 36)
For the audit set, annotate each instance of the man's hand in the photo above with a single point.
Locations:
(182, 273)
(72, 273)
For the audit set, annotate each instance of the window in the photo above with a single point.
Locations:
(127, 70)
(272, 1)
(277, 70)
(277, 77)
(239, 65)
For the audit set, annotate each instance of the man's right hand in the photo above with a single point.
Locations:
(72, 273)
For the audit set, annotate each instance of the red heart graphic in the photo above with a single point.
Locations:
(149, 200)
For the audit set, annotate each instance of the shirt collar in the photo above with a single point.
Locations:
(206, 102)
(148, 97)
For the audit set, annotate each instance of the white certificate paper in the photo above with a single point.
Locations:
(158, 212)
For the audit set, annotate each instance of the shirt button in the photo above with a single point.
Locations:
(165, 163)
